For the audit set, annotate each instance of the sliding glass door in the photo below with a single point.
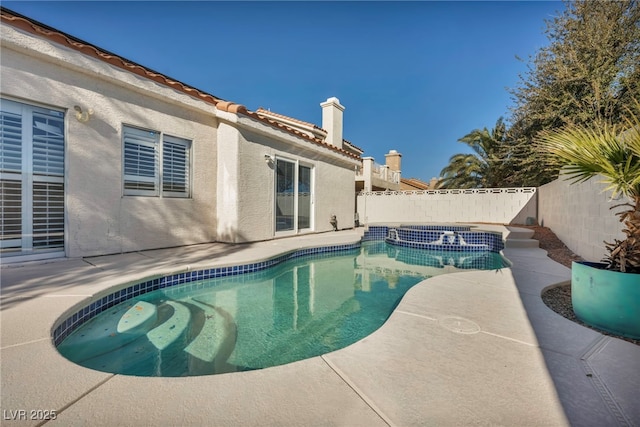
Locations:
(294, 196)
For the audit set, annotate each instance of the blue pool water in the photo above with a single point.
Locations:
(298, 309)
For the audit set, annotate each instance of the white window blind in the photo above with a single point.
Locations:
(153, 169)
(48, 145)
(175, 167)
(48, 214)
(11, 181)
(140, 162)
(10, 141)
(10, 214)
(48, 180)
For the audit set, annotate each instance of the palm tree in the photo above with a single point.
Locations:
(613, 153)
(488, 167)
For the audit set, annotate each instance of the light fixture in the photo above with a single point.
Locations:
(82, 116)
(268, 159)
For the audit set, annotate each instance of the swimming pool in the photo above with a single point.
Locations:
(300, 307)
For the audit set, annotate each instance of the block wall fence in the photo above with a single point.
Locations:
(579, 214)
(495, 205)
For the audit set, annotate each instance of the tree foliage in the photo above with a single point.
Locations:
(588, 75)
(486, 167)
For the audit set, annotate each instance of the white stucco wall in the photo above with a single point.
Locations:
(232, 192)
(246, 199)
(580, 215)
(99, 219)
(497, 205)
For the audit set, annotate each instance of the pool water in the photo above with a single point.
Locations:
(298, 309)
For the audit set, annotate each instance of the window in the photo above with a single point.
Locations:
(175, 167)
(153, 169)
(32, 149)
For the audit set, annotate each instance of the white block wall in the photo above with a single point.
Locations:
(494, 205)
(580, 215)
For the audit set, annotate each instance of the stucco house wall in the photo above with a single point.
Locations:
(99, 219)
(247, 182)
(232, 191)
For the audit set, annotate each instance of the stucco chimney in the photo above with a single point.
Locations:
(393, 160)
(332, 120)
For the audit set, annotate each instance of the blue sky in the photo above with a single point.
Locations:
(413, 76)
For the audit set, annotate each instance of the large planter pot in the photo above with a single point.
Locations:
(608, 300)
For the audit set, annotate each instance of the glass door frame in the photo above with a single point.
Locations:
(296, 208)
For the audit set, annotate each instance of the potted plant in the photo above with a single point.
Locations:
(607, 294)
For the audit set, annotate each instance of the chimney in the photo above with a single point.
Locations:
(332, 121)
(393, 160)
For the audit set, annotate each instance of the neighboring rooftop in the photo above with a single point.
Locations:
(306, 127)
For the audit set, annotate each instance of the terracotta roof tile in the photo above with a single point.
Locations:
(353, 145)
(301, 134)
(261, 110)
(231, 107)
(415, 182)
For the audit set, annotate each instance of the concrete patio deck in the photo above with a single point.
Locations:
(472, 348)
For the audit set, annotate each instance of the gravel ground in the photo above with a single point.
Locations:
(558, 298)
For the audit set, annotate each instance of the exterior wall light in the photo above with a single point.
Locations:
(268, 159)
(82, 116)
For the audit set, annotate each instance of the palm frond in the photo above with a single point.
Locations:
(606, 151)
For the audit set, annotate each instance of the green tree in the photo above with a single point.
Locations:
(587, 75)
(487, 167)
(590, 71)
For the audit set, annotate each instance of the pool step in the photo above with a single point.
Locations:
(206, 345)
(521, 243)
(119, 326)
(517, 233)
(170, 331)
(520, 238)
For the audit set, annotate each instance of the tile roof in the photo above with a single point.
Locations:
(353, 145)
(415, 182)
(36, 28)
(311, 126)
(262, 111)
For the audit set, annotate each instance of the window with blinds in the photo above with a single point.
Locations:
(10, 215)
(31, 179)
(140, 162)
(153, 169)
(11, 178)
(175, 166)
